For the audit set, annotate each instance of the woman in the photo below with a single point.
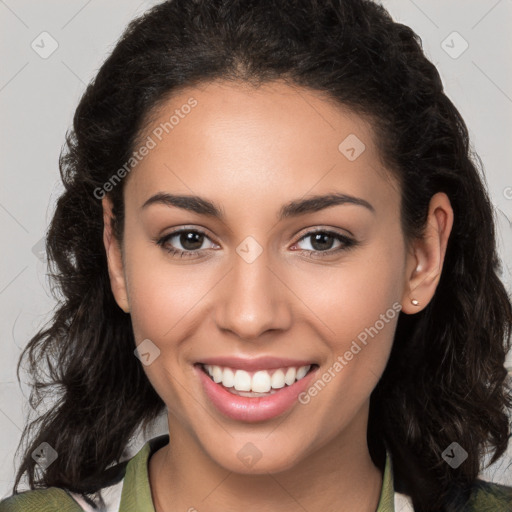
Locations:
(268, 206)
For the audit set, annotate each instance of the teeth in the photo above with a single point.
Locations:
(261, 381)
(216, 373)
(278, 379)
(289, 378)
(301, 372)
(228, 378)
(242, 381)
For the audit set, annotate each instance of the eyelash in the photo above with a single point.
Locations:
(347, 243)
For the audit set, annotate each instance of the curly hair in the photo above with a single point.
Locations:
(445, 380)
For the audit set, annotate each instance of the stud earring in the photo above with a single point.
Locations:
(414, 302)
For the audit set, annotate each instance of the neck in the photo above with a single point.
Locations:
(338, 477)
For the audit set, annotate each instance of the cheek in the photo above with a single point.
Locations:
(160, 301)
(161, 293)
(352, 296)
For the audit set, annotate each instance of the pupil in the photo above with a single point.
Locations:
(189, 238)
(319, 239)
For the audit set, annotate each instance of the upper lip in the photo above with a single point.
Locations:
(254, 363)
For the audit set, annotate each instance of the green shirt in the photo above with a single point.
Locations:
(136, 491)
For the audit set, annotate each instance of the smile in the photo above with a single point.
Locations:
(256, 383)
(254, 394)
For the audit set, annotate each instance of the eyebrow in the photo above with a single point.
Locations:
(294, 208)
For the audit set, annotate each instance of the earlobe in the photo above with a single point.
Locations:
(114, 258)
(426, 257)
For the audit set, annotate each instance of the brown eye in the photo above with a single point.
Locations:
(324, 241)
(190, 240)
(185, 242)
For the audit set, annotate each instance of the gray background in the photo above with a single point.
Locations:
(38, 97)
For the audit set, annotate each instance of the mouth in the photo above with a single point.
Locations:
(257, 394)
(256, 383)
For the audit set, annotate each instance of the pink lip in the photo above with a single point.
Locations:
(257, 363)
(252, 409)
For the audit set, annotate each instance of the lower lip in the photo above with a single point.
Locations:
(253, 409)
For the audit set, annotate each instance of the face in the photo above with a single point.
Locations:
(292, 256)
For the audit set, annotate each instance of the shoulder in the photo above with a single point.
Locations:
(485, 497)
(52, 499)
(132, 471)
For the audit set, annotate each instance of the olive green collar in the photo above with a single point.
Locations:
(136, 493)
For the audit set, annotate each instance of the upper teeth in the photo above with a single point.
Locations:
(259, 382)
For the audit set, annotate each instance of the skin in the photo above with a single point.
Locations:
(251, 151)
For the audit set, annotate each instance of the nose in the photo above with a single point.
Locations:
(253, 299)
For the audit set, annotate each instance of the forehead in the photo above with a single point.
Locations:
(272, 141)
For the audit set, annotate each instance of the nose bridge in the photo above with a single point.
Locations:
(252, 299)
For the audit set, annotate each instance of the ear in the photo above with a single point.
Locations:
(426, 255)
(114, 258)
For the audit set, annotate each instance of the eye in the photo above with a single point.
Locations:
(322, 242)
(191, 240)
